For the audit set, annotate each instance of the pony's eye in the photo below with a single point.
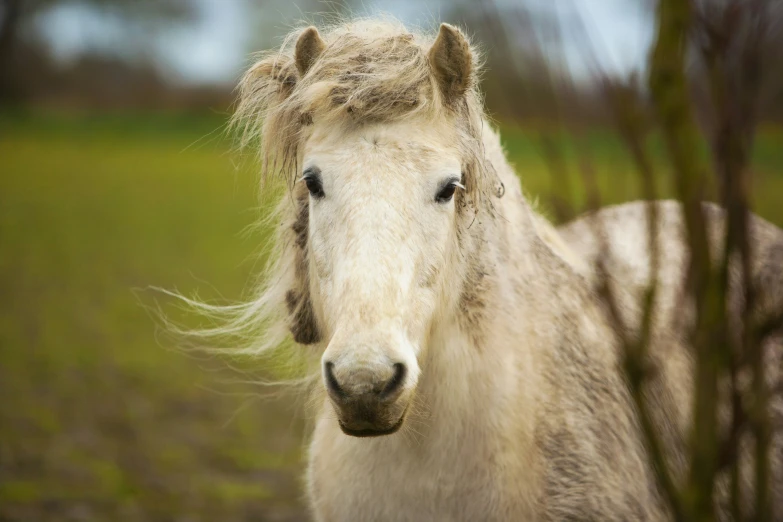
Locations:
(315, 187)
(313, 181)
(446, 192)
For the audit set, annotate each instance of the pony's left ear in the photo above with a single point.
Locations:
(309, 47)
(452, 63)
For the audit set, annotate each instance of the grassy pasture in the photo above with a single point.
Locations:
(99, 419)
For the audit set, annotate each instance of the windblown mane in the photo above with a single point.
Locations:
(370, 72)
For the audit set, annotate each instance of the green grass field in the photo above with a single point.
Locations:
(99, 418)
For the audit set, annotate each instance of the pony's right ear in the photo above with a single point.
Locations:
(309, 47)
(452, 63)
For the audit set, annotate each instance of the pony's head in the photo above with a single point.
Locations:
(378, 133)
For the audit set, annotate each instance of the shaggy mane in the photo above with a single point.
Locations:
(371, 71)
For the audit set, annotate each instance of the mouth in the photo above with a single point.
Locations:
(371, 432)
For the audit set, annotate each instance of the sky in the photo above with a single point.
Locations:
(217, 45)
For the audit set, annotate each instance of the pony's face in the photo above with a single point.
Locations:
(382, 234)
(378, 123)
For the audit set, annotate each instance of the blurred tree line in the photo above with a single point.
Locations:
(525, 78)
(29, 74)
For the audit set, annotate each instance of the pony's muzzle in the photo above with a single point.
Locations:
(367, 399)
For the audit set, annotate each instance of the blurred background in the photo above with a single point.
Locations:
(116, 175)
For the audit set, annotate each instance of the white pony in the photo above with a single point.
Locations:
(467, 371)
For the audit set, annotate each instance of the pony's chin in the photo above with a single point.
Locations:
(372, 432)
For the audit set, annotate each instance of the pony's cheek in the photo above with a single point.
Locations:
(421, 316)
(318, 256)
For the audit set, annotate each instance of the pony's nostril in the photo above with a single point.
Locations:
(395, 383)
(331, 380)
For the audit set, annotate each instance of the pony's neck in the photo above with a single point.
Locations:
(467, 376)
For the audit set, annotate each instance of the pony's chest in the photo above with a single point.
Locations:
(397, 478)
